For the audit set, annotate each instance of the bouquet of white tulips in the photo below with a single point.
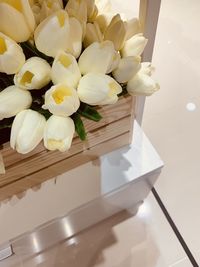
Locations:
(59, 61)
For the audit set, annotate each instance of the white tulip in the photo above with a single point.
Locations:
(75, 38)
(132, 27)
(27, 131)
(13, 100)
(134, 46)
(93, 34)
(48, 7)
(142, 84)
(59, 132)
(61, 100)
(34, 74)
(53, 34)
(98, 89)
(17, 19)
(115, 62)
(11, 55)
(146, 68)
(97, 57)
(127, 69)
(77, 9)
(65, 70)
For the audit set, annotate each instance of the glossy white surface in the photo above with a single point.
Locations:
(77, 187)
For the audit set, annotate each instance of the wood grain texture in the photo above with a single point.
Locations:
(26, 171)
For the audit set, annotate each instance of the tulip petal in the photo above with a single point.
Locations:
(34, 74)
(76, 33)
(142, 84)
(61, 100)
(13, 100)
(127, 69)
(134, 46)
(27, 131)
(11, 55)
(17, 24)
(58, 134)
(52, 34)
(65, 70)
(97, 58)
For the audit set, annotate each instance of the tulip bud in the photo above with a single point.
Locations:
(134, 46)
(132, 28)
(97, 58)
(98, 89)
(13, 100)
(93, 34)
(58, 133)
(116, 32)
(27, 131)
(34, 74)
(61, 100)
(77, 9)
(127, 69)
(53, 34)
(146, 68)
(11, 55)
(142, 84)
(75, 38)
(104, 20)
(48, 7)
(17, 19)
(65, 70)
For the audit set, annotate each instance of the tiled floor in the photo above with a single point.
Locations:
(171, 118)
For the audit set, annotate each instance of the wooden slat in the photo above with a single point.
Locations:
(64, 165)
(110, 113)
(42, 160)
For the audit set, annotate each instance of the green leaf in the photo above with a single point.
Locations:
(6, 123)
(31, 51)
(79, 126)
(89, 112)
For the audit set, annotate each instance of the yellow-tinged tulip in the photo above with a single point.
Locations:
(11, 55)
(61, 100)
(104, 20)
(134, 46)
(116, 32)
(65, 70)
(16, 19)
(97, 57)
(53, 34)
(75, 38)
(93, 34)
(77, 9)
(127, 69)
(142, 84)
(27, 131)
(34, 74)
(58, 134)
(13, 100)
(98, 89)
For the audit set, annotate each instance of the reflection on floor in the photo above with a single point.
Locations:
(124, 240)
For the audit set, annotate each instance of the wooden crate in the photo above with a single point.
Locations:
(26, 171)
